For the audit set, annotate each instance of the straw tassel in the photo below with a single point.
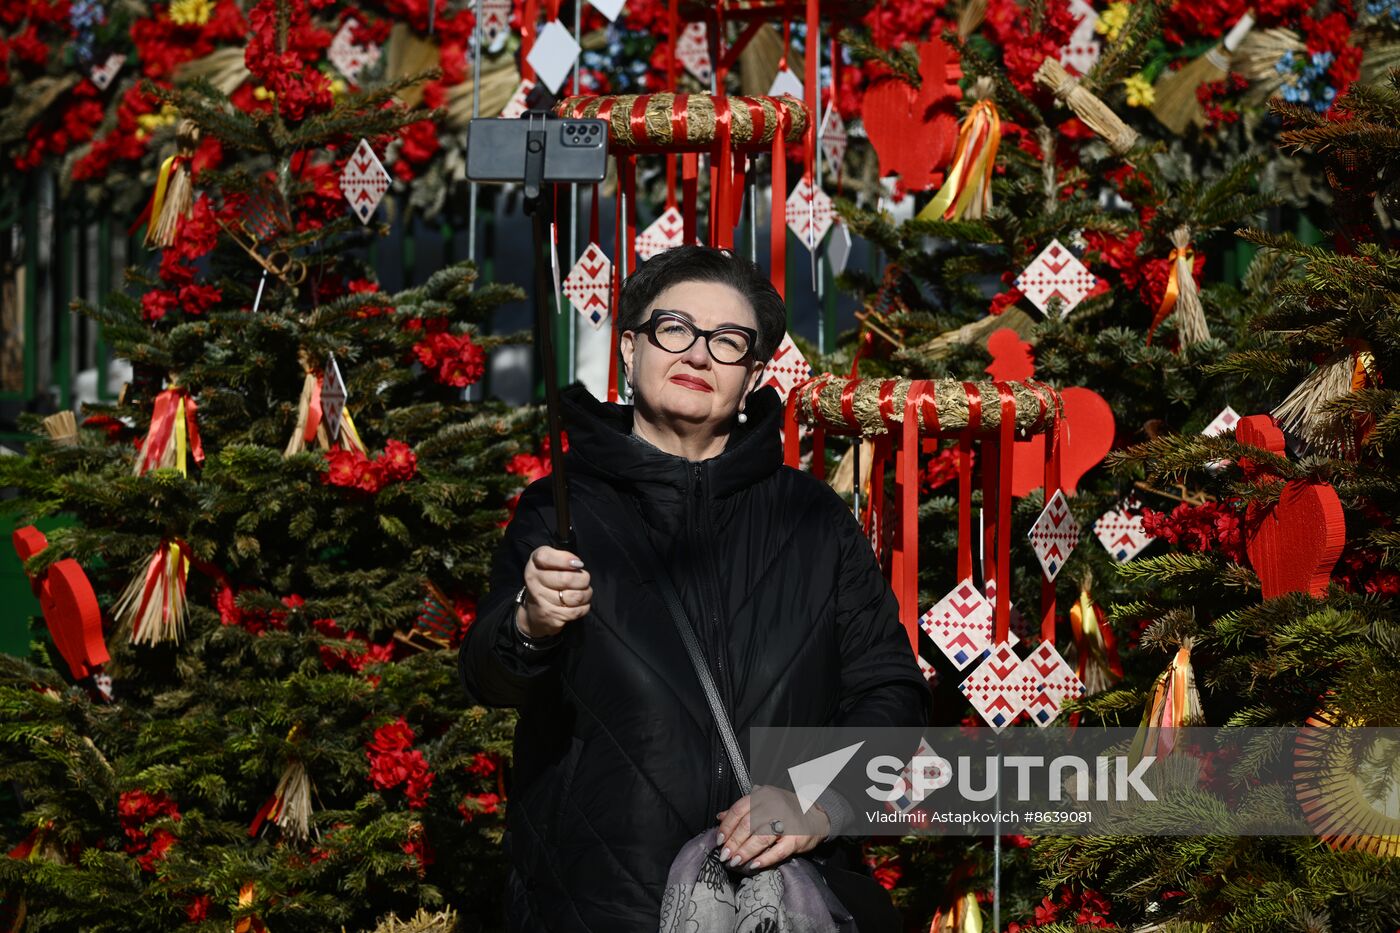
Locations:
(967, 192)
(62, 428)
(1095, 113)
(289, 807)
(1182, 295)
(1175, 103)
(174, 195)
(1303, 412)
(310, 431)
(1174, 703)
(1095, 648)
(153, 604)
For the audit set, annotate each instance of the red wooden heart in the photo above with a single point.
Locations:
(1295, 544)
(914, 131)
(1263, 432)
(69, 605)
(1087, 439)
(74, 620)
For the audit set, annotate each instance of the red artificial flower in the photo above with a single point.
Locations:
(398, 461)
(344, 467)
(1210, 527)
(474, 805)
(197, 911)
(419, 145)
(157, 303)
(392, 762)
(455, 359)
(135, 810)
(1005, 300)
(484, 764)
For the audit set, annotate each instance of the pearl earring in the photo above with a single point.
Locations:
(743, 418)
(627, 392)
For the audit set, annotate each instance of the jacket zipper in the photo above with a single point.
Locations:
(713, 635)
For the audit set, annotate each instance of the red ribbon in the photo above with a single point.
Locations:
(974, 421)
(792, 450)
(819, 429)
(314, 413)
(529, 28)
(813, 89)
(1052, 485)
(907, 572)
(722, 170)
(680, 133)
(162, 429)
(1006, 446)
(690, 192)
(777, 234)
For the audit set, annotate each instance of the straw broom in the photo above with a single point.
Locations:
(1176, 104)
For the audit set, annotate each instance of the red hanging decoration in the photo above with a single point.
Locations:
(69, 605)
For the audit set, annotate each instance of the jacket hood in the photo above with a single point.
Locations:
(601, 444)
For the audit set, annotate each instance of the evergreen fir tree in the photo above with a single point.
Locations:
(298, 749)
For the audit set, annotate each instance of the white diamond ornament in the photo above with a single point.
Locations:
(553, 54)
(809, 213)
(495, 19)
(1224, 423)
(1121, 531)
(589, 284)
(787, 368)
(348, 56)
(962, 625)
(693, 52)
(664, 233)
(1082, 52)
(1054, 535)
(1050, 681)
(786, 82)
(103, 74)
(838, 248)
(833, 138)
(364, 181)
(998, 689)
(1056, 273)
(333, 397)
(519, 101)
(609, 8)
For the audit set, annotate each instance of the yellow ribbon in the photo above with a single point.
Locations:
(1173, 287)
(347, 427)
(181, 441)
(971, 173)
(162, 182)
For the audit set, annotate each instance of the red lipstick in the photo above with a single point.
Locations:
(690, 382)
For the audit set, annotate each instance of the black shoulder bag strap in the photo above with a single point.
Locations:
(651, 561)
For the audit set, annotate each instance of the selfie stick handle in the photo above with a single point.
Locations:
(539, 204)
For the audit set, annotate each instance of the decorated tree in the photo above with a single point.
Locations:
(1281, 587)
(1079, 227)
(241, 704)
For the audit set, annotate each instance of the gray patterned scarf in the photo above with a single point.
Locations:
(704, 896)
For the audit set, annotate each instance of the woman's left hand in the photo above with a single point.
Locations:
(739, 846)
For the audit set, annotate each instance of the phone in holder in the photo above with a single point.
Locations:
(562, 150)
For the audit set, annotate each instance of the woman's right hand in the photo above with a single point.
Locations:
(557, 591)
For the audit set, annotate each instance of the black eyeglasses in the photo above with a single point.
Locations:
(675, 334)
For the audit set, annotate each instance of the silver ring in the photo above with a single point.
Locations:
(562, 602)
(776, 826)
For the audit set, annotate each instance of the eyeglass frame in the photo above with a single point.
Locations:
(649, 328)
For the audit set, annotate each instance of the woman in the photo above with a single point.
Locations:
(617, 759)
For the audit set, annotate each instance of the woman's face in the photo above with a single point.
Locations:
(691, 387)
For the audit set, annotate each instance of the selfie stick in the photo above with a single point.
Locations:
(539, 204)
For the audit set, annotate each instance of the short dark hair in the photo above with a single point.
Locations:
(705, 264)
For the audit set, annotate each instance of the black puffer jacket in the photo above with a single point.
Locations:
(617, 762)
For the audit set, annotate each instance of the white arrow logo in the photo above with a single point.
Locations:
(811, 778)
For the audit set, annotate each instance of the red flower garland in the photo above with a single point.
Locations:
(135, 809)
